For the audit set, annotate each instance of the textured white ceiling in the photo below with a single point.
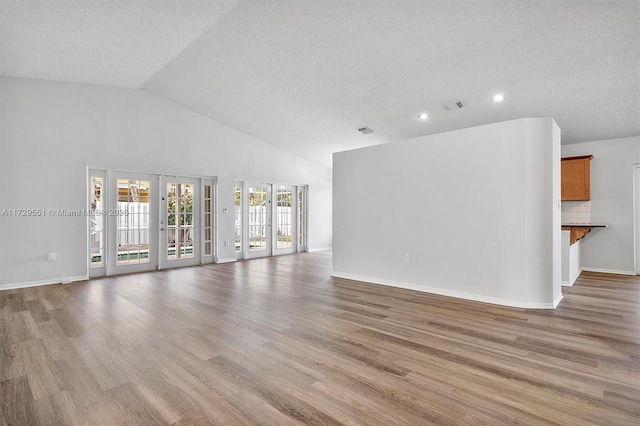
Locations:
(305, 75)
(114, 42)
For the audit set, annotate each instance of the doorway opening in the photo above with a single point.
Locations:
(270, 219)
(143, 222)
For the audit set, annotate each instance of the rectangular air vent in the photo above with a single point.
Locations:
(450, 106)
(365, 130)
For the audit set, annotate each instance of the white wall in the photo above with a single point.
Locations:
(610, 249)
(476, 209)
(571, 267)
(50, 132)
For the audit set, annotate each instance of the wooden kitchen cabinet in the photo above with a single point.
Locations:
(576, 178)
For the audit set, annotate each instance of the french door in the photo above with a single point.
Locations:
(270, 219)
(180, 222)
(131, 215)
(141, 222)
(257, 217)
(285, 225)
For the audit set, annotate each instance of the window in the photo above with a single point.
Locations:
(208, 220)
(96, 221)
(238, 216)
(302, 223)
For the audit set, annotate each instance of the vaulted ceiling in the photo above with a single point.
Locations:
(306, 74)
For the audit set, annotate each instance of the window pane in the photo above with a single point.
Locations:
(96, 222)
(179, 220)
(283, 205)
(208, 208)
(257, 219)
(238, 217)
(132, 221)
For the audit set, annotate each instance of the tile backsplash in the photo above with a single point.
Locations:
(576, 212)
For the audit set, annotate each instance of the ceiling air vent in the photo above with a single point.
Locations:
(450, 106)
(365, 130)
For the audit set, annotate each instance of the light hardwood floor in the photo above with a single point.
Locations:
(277, 341)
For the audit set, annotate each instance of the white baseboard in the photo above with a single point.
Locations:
(573, 280)
(64, 280)
(449, 293)
(609, 271)
(311, 250)
(557, 301)
(227, 260)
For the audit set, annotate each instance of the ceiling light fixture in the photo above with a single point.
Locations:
(423, 116)
(452, 105)
(498, 98)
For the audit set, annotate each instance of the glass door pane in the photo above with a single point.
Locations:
(238, 219)
(284, 198)
(259, 220)
(207, 226)
(97, 221)
(133, 221)
(132, 218)
(302, 220)
(285, 224)
(179, 220)
(180, 229)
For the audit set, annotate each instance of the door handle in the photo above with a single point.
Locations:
(162, 229)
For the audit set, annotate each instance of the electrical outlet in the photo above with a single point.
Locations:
(52, 257)
(407, 257)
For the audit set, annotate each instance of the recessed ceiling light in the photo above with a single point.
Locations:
(423, 116)
(498, 98)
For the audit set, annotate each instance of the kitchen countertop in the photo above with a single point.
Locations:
(580, 230)
(585, 225)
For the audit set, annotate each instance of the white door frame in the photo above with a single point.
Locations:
(165, 260)
(157, 212)
(636, 217)
(246, 229)
(113, 213)
(100, 217)
(212, 220)
(302, 246)
(271, 221)
(293, 220)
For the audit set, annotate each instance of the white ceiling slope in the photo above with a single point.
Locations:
(305, 75)
(113, 42)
